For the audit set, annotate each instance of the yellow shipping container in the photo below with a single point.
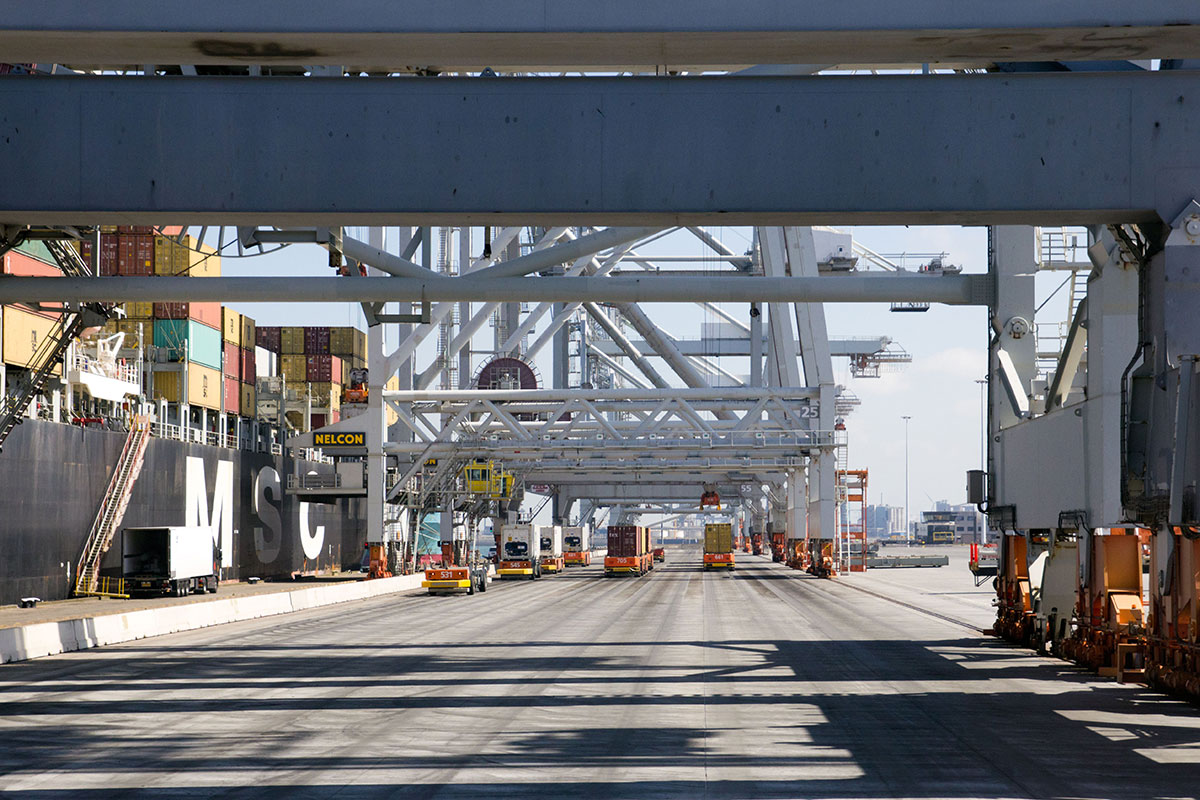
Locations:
(164, 255)
(347, 342)
(204, 386)
(248, 332)
(139, 310)
(231, 326)
(247, 400)
(188, 257)
(206, 263)
(171, 257)
(23, 334)
(130, 328)
(293, 368)
(718, 537)
(291, 341)
(325, 392)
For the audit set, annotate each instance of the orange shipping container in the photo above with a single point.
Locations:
(24, 332)
(206, 313)
(204, 386)
(16, 263)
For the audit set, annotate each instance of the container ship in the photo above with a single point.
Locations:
(212, 395)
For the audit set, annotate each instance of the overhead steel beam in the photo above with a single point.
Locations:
(868, 288)
(577, 32)
(724, 346)
(623, 396)
(1023, 149)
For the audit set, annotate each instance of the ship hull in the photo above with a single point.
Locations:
(53, 478)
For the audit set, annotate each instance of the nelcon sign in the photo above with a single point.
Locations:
(340, 439)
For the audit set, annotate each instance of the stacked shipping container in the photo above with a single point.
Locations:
(629, 550)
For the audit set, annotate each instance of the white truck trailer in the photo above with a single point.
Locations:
(175, 560)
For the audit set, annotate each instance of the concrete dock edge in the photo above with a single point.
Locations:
(50, 638)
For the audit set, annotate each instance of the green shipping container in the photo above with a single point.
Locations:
(203, 343)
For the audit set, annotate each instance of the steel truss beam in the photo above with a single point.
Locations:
(727, 346)
(663, 288)
(573, 33)
(652, 423)
(1006, 149)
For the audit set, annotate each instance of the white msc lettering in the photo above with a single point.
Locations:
(269, 538)
(311, 542)
(196, 513)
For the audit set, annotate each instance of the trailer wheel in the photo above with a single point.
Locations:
(211, 584)
(471, 586)
(483, 582)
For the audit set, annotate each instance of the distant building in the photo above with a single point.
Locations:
(970, 525)
(884, 520)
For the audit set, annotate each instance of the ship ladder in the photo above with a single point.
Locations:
(112, 510)
(46, 358)
(53, 347)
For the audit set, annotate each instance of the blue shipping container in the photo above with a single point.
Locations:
(203, 343)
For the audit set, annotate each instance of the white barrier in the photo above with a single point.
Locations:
(49, 638)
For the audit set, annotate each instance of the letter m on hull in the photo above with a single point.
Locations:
(221, 519)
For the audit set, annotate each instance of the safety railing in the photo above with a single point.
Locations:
(118, 370)
(333, 481)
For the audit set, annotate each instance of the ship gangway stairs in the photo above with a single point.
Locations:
(88, 581)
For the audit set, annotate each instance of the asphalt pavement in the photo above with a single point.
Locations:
(762, 682)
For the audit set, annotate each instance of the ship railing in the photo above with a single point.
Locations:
(333, 481)
(129, 372)
(167, 430)
(218, 439)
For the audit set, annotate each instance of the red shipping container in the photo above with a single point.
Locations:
(626, 541)
(318, 421)
(233, 360)
(268, 338)
(248, 371)
(17, 263)
(143, 256)
(135, 229)
(316, 342)
(108, 253)
(126, 255)
(324, 369)
(233, 395)
(208, 313)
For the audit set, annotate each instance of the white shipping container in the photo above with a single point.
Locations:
(266, 363)
(576, 539)
(551, 540)
(520, 543)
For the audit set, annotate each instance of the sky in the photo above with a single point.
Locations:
(938, 390)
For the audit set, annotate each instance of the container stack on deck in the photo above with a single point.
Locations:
(315, 363)
(201, 353)
(22, 328)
